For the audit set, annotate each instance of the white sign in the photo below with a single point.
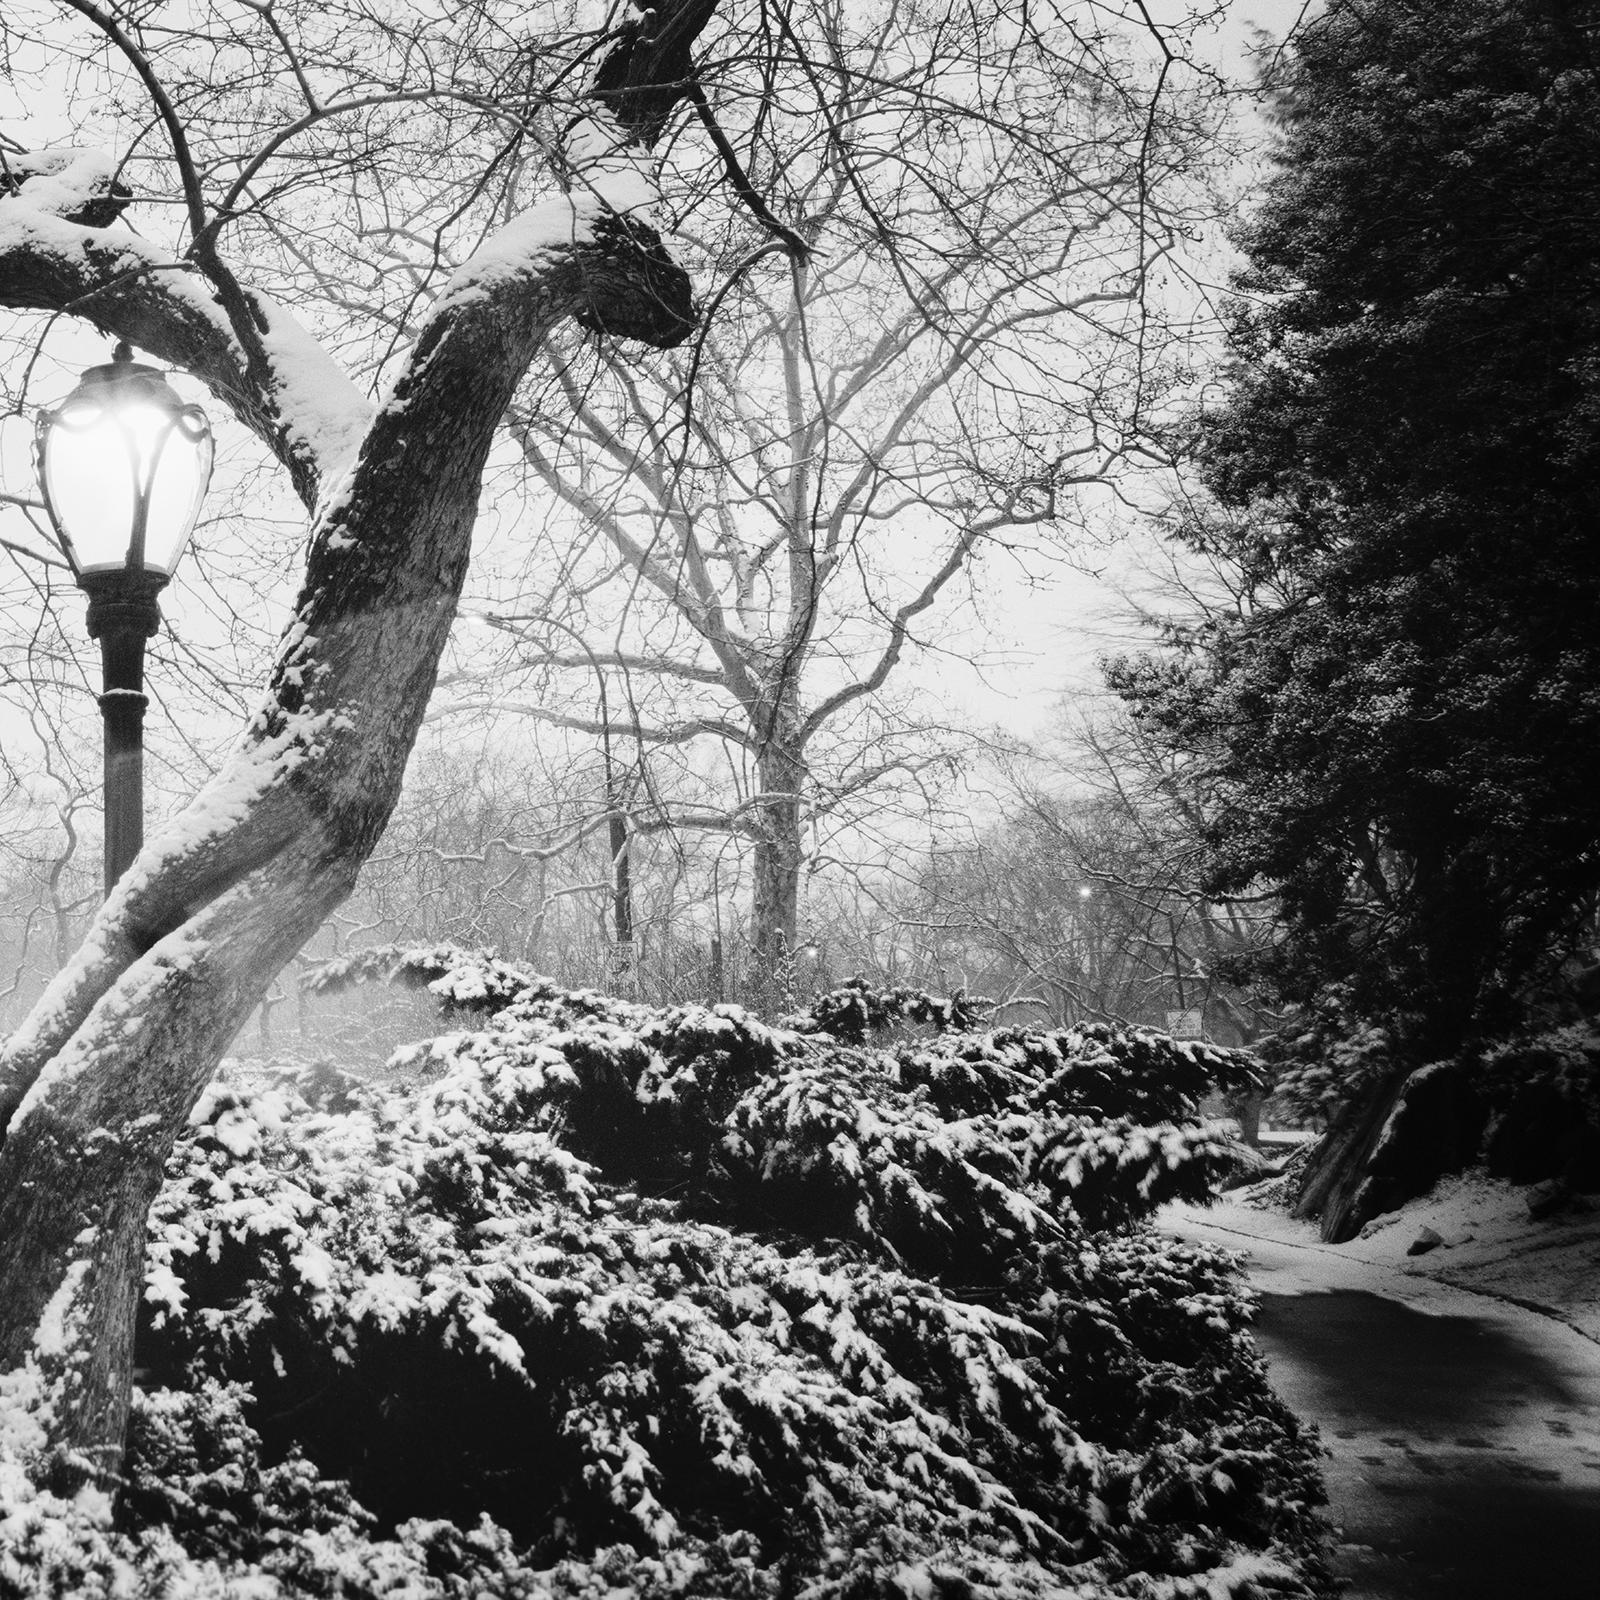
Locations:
(1186, 1024)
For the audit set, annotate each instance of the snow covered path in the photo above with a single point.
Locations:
(1464, 1432)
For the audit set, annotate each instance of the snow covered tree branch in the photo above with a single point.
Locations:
(96, 1085)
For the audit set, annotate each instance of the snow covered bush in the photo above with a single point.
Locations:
(630, 1302)
(1526, 1107)
(855, 1010)
(1543, 1100)
(1324, 1058)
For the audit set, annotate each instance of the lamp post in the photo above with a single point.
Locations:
(123, 464)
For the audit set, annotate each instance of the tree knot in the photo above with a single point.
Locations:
(632, 288)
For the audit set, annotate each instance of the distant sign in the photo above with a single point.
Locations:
(1186, 1024)
(619, 961)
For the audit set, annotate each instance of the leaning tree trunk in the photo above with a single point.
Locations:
(212, 912)
(97, 1085)
(1388, 1147)
(1338, 1171)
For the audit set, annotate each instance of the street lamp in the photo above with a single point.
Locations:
(123, 464)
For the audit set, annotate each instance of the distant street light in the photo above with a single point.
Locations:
(123, 464)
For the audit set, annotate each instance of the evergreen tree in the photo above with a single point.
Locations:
(1400, 724)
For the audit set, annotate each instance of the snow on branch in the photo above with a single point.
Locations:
(79, 185)
(55, 257)
(633, 289)
(274, 841)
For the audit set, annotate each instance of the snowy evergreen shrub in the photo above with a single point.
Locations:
(854, 1011)
(672, 1303)
(197, 1469)
(1543, 1095)
(1325, 1058)
(462, 980)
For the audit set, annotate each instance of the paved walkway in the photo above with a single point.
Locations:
(1463, 1433)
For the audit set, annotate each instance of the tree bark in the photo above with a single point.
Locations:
(1389, 1147)
(778, 854)
(1335, 1174)
(105, 1072)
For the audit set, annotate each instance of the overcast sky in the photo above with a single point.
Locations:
(1047, 631)
(1052, 631)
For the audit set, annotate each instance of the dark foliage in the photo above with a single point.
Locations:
(855, 1011)
(1397, 728)
(1543, 1100)
(462, 980)
(672, 1303)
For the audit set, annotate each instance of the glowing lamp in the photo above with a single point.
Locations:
(123, 465)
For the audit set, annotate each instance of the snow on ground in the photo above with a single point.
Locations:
(1492, 1247)
(1463, 1444)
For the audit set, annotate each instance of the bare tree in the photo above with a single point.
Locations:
(96, 1084)
(513, 849)
(1086, 893)
(339, 199)
(48, 888)
(951, 342)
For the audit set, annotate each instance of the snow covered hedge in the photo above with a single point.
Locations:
(1542, 1102)
(624, 1302)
